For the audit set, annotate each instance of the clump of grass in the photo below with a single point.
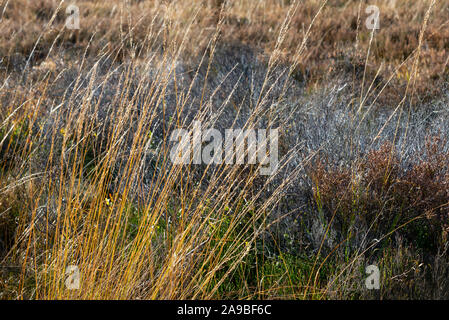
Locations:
(99, 205)
(86, 178)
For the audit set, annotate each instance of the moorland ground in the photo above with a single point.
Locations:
(86, 178)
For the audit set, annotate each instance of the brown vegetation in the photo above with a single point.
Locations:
(85, 174)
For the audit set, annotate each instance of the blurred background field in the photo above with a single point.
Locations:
(86, 179)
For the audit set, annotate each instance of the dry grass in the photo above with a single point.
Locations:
(338, 44)
(86, 178)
